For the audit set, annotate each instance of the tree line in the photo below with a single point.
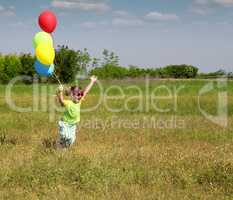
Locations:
(71, 64)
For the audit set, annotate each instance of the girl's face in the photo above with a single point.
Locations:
(76, 94)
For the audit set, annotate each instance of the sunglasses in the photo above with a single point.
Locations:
(80, 94)
(77, 91)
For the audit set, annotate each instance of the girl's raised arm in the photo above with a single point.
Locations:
(60, 95)
(88, 88)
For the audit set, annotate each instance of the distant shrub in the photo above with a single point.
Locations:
(67, 64)
(181, 71)
(27, 63)
(71, 64)
(217, 74)
(110, 71)
(10, 66)
(171, 71)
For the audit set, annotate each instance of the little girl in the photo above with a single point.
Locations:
(71, 116)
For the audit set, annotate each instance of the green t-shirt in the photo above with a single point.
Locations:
(72, 112)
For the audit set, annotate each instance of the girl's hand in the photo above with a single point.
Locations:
(60, 88)
(93, 79)
(88, 88)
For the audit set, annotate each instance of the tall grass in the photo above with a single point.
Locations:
(191, 162)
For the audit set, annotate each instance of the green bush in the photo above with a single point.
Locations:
(172, 71)
(217, 74)
(27, 62)
(110, 71)
(181, 71)
(69, 63)
(134, 72)
(10, 67)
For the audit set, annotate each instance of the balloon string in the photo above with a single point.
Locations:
(57, 79)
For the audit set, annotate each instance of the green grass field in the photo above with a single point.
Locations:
(192, 161)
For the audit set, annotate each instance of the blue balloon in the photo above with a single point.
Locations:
(44, 70)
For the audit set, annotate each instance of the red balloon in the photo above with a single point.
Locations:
(48, 21)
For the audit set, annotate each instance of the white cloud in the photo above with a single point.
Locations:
(103, 23)
(201, 23)
(201, 2)
(1, 8)
(89, 25)
(18, 24)
(93, 25)
(161, 16)
(99, 7)
(7, 12)
(212, 2)
(224, 2)
(204, 7)
(120, 13)
(201, 10)
(225, 23)
(133, 22)
(44, 7)
(12, 8)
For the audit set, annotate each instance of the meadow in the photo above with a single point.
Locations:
(163, 150)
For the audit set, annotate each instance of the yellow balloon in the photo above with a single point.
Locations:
(42, 37)
(45, 53)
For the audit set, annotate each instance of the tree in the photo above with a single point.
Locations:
(134, 71)
(230, 75)
(110, 58)
(95, 62)
(1, 67)
(218, 74)
(84, 60)
(10, 67)
(27, 62)
(67, 65)
(181, 71)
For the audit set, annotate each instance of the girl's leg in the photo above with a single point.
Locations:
(72, 134)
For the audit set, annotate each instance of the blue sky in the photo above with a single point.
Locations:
(147, 33)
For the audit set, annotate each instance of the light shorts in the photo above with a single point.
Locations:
(67, 133)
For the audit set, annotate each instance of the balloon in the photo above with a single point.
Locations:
(44, 70)
(48, 21)
(42, 37)
(45, 53)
